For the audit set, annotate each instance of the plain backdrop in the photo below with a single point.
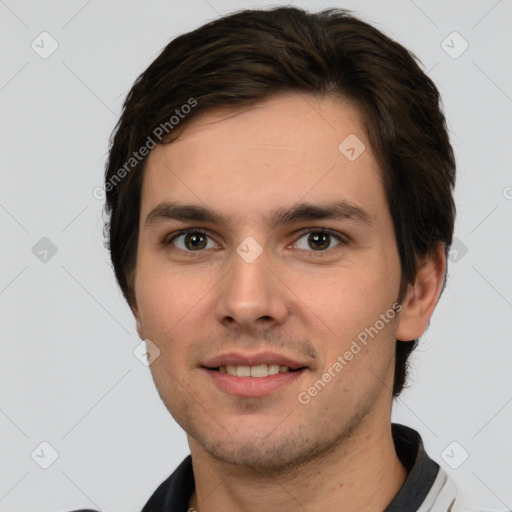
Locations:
(68, 375)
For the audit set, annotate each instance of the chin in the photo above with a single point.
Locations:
(273, 454)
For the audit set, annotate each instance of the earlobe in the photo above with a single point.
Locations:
(421, 298)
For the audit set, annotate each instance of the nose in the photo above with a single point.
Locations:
(252, 296)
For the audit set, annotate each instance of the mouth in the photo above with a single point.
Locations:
(253, 364)
(253, 375)
(258, 371)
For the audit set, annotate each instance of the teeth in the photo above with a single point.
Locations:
(261, 370)
(273, 369)
(243, 371)
(258, 371)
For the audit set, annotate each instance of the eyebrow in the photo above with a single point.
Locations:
(337, 210)
(306, 211)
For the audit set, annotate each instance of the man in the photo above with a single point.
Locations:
(279, 190)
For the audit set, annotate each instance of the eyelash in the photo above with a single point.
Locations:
(342, 238)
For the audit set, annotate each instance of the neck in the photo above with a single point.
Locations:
(362, 473)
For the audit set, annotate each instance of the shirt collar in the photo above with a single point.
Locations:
(422, 470)
(175, 492)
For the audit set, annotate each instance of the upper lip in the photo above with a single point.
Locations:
(239, 359)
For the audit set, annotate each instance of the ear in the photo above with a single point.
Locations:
(421, 298)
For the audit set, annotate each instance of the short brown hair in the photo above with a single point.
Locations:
(250, 55)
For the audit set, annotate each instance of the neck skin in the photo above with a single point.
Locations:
(363, 474)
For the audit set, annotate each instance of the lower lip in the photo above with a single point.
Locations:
(252, 386)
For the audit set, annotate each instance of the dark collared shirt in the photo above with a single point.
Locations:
(427, 487)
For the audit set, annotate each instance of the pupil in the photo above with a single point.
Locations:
(197, 241)
(322, 238)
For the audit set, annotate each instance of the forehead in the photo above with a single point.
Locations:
(285, 149)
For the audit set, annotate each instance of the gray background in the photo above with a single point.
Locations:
(68, 373)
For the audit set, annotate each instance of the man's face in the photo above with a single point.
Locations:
(245, 285)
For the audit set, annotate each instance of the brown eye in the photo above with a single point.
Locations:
(195, 241)
(192, 241)
(319, 240)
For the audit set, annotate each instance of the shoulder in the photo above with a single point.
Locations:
(445, 496)
(466, 508)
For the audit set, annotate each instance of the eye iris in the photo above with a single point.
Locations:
(319, 240)
(195, 241)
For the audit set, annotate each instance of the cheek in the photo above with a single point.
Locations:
(347, 296)
(161, 300)
(173, 303)
(345, 304)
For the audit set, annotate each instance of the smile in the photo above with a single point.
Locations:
(260, 370)
(253, 381)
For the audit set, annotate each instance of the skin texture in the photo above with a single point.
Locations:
(257, 454)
